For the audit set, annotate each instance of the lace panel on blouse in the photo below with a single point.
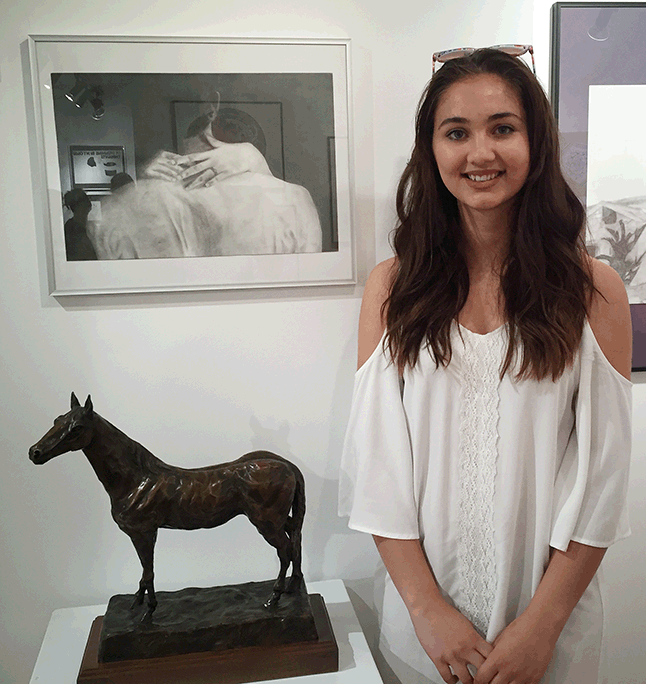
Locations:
(479, 414)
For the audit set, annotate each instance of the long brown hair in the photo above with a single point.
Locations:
(546, 281)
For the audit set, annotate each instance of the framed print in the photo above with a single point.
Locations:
(192, 163)
(93, 167)
(598, 86)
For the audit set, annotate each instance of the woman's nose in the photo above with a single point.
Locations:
(481, 150)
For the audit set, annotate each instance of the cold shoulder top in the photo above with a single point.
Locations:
(489, 474)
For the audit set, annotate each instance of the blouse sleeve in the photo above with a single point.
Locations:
(592, 482)
(376, 479)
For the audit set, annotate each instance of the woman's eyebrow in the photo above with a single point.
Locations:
(463, 120)
(504, 115)
(453, 120)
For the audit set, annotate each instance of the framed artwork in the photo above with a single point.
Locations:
(208, 163)
(93, 167)
(598, 85)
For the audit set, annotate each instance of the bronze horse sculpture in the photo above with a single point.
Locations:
(146, 493)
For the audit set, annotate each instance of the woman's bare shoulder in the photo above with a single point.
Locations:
(610, 316)
(372, 321)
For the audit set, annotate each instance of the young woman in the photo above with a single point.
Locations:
(489, 440)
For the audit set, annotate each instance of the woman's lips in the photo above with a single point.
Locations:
(483, 177)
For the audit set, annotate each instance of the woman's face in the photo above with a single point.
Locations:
(480, 143)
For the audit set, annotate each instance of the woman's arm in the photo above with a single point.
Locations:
(610, 317)
(566, 578)
(448, 638)
(523, 650)
(371, 321)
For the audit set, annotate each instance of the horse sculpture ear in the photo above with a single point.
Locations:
(88, 405)
(74, 403)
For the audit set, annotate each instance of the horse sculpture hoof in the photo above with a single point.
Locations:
(272, 602)
(147, 617)
(295, 585)
(138, 601)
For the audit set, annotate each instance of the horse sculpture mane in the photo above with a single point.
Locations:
(147, 462)
(146, 493)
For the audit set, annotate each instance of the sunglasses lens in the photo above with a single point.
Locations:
(513, 50)
(453, 54)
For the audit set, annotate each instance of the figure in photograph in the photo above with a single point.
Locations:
(219, 198)
(78, 246)
(489, 440)
(120, 180)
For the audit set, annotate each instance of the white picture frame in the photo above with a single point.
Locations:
(311, 124)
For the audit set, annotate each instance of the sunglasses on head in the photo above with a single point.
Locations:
(509, 49)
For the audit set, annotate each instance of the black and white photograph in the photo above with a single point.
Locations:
(208, 177)
(168, 170)
(616, 189)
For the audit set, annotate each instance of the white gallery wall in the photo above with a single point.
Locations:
(204, 377)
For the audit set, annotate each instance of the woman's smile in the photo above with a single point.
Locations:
(483, 176)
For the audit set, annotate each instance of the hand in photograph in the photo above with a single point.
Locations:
(221, 162)
(164, 166)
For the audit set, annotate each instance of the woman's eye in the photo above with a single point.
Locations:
(504, 129)
(456, 135)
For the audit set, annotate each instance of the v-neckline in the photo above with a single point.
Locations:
(477, 334)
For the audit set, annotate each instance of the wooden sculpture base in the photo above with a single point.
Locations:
(232, 666)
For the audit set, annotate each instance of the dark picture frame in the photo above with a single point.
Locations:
(598, 44)
(290, 98)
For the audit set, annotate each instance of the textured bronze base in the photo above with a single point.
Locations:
(199, 619)
(231, 666)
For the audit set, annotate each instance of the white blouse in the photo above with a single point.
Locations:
(489, 474)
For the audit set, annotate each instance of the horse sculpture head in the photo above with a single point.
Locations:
(71, 432)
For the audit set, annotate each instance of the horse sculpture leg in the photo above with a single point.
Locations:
(280, 541)
(296, 580)
(286, 538)
(144, 544)
(294, 527)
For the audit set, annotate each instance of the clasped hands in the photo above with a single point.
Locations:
(520, 654)
(201, 169)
